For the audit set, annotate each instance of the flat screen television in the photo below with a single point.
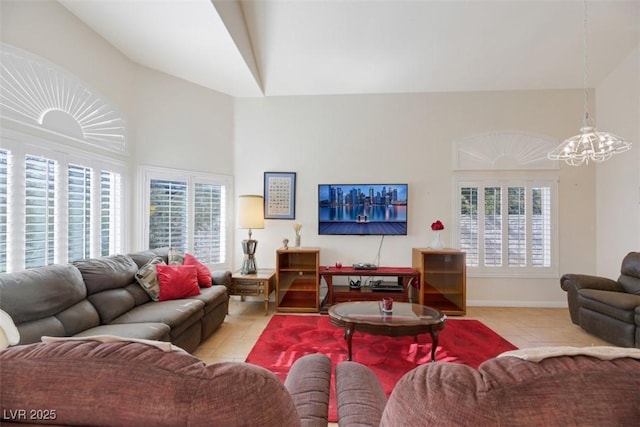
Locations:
(362, 209)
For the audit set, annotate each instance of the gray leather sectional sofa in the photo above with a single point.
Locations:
(100, 296)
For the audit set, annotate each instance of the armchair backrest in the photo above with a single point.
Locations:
(630, 273)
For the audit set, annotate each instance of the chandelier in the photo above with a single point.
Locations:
(589, 144)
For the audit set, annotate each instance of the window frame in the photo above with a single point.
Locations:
(506, 180)
(65, 151)
(148, 173)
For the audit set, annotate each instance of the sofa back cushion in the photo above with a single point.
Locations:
(111, 285)
(47, 300)
(143, 257)
(556, 391)
(630, 273)
(177, 388)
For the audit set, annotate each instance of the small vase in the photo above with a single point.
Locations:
(297, 240)
(437, 242)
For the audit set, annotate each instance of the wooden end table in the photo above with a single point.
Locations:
(260, 284)
(406, 320)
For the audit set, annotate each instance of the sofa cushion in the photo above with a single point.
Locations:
(557, 391)
(147, 277)
(630, 273)
(57, 309)
(112, 303)
(212, 297)
(177, 281)
(618, 305)
(176, 388)
(147, 331)
(104, 273)
(172, 313)
(25, 298)
(203, 272)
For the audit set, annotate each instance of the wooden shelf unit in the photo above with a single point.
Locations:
(297, 280)
(340, 293)
(443, 279)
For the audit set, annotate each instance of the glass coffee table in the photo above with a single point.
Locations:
(406, 320)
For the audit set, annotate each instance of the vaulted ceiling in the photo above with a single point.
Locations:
(305, 47)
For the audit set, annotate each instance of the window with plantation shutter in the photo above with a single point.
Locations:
(79, 212)
(4, 176)
(39, 200)
(57, 207)
(506, 226)
(168, 214)
(189, 212)
(110, 212)
(209, 223)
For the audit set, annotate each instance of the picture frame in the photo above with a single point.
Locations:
(280, 195)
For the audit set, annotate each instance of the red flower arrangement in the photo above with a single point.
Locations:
(437, 226)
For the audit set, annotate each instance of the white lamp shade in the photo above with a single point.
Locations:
(250, 211)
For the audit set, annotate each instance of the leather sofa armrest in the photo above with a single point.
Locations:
(309, 382)
(584, 281)
(361, 399)
(572, 283)
(221, 277)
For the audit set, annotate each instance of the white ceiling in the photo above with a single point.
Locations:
(304, 47)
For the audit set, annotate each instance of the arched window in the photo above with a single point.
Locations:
(62, 168)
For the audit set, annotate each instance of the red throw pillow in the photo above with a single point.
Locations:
(203, 272)
(177, 281)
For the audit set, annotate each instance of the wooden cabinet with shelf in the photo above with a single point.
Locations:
(297, 280)
(443, 279)
(399, 288)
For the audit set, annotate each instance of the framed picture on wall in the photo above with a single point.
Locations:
(280, 195)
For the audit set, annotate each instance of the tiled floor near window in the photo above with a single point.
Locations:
(523, 327)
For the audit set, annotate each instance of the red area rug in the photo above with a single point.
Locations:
(288, 337)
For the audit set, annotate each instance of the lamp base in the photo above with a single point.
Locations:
(249, 262)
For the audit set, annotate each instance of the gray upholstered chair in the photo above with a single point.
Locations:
(606, 308)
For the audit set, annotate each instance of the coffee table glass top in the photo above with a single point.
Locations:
(371, 312)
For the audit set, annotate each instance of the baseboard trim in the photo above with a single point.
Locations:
(508, 303)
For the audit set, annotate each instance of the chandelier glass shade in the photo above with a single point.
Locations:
(589, 144)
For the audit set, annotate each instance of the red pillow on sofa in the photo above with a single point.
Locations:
(177, 281)
(203, 272)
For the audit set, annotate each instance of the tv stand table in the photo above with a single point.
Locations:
(339, 293)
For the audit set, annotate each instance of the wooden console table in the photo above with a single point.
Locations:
(337, 294)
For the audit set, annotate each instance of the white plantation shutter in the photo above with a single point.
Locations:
(492, 204)
(189, 212)
(469, 224)
(506, 227)
(517, 227)
(168, 214)
(110, 212)
(209, 224)
(541, 226)
(39, 200)
(4, 176)
(79, 212)
(53, 210)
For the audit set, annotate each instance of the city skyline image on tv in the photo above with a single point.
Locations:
(362, 209)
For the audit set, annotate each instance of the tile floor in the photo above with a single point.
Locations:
(523, 327)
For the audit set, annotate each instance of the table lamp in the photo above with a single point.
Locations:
(250, 215)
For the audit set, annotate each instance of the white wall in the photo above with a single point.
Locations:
(47, 29)
(618, 179)
(405, 138)
(180, 125)
(170, 122)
